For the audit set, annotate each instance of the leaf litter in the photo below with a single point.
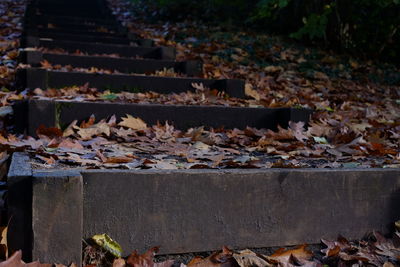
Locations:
(374, 250)
(357, 129)
(132, 144)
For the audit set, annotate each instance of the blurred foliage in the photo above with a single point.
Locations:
(365, 27)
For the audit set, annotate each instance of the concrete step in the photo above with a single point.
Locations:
(193, 210)
(124, 65)
(40, 78)
(142, 48)
(82, 38)
(74, 20)
(43, 32)
(31, 114)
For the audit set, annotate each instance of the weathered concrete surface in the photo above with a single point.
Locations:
(201, 210)
(19, 234)
(41, 78)
(45, 213)
(50, 113)
(125, 65)
(186, 211)
(57, 217)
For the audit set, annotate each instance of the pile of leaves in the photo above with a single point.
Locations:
(132, 144)
(375, 250)
(201, 96)
(61, 51)
(352, 92)
(11, 12)
(68, 68)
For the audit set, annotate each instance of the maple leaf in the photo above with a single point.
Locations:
(133, 123)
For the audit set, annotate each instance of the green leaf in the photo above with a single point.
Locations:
(108, 244)
(110, 96)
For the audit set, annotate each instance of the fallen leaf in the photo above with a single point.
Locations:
(249, 91)
(144, 260)
(94, 130)
(247, 258)
(218, 259)
(283, 255)
(133, 123)
(108, 244)
(119, 263)
(51, 132)
(3, 243)
(89, 123)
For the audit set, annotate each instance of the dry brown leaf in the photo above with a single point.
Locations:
(3, 243)
(49, 131)
(388, 264)
(118, 160)
(70, 129)
(16, 261)
(71, 144)
(94, 130)
(283, 255)
(144, 260)
(47, 160)
(89, 123)
(119, 263)
(133, 123)
(217, 259)
(247, 258)
(45, 64)
(249, 91)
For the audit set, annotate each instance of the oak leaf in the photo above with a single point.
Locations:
(133, 123)
(246, 258)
